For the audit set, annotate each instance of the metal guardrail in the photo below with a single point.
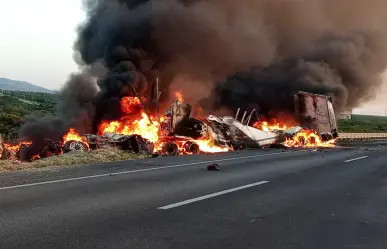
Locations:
(362, 136)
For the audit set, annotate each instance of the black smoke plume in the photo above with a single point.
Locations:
(341, 66)
(259, 51)
(75, 109)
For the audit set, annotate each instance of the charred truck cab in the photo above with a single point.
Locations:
(316, 112)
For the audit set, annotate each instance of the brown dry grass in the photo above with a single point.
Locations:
(95, 156)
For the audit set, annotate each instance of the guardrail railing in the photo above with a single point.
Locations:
(361, 136)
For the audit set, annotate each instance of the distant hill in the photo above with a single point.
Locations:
(14, 85)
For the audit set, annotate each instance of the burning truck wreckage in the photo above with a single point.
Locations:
(220, 55)
(177, 133)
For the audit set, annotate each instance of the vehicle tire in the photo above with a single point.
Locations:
(191, 147)
(171, 149)
(73, 145)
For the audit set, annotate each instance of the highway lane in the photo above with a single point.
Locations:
(259, 199)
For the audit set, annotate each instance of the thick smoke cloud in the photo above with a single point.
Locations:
(342, 66)
(258, 51)
(327, 47)
(75, 108)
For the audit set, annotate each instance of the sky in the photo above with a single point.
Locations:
(37, 38)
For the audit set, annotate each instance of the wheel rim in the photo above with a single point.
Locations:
(77, 146)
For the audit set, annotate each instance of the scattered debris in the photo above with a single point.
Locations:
(213, 167)
(177, 133)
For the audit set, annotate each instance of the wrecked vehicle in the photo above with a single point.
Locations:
(317, 126)
(247, 136)
(224, 131)
(315, 112)
(134, 143)
(180, 133)
(177, 133)
(12, 151)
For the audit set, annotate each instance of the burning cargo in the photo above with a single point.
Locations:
(177, 133)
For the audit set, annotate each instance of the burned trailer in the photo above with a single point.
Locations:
(223, 131)
(133, 143)
(315, 112)
(227, 135)
(241, 136)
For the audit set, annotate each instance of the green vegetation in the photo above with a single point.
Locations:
(14, 105)
(95, 156)
(363, 123)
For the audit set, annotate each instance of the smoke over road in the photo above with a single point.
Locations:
(258, 52)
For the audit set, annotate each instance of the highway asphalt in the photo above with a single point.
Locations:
(268, 198)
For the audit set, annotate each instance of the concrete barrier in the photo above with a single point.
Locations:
(362, 136)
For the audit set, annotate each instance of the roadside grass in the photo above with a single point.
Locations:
(363, 124)
(95, 156)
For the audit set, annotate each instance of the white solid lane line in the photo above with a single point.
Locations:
(354, 159)
(178, 204)
(139, 170)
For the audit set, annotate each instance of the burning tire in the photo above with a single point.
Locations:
(73, 145)
(171, 149)
(191, 147)
(302, 141)
(312, 140)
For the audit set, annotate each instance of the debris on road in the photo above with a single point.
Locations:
(213, 167)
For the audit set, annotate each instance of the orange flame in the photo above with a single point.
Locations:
(179, 96)
(303, 139)
(147, 127)
(308, 139)
(271, 126)
(130, 105)
(73, 135)
(143, 127)
(14, 148)
(207, 145)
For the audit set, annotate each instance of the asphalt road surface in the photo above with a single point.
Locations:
(265, 198)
